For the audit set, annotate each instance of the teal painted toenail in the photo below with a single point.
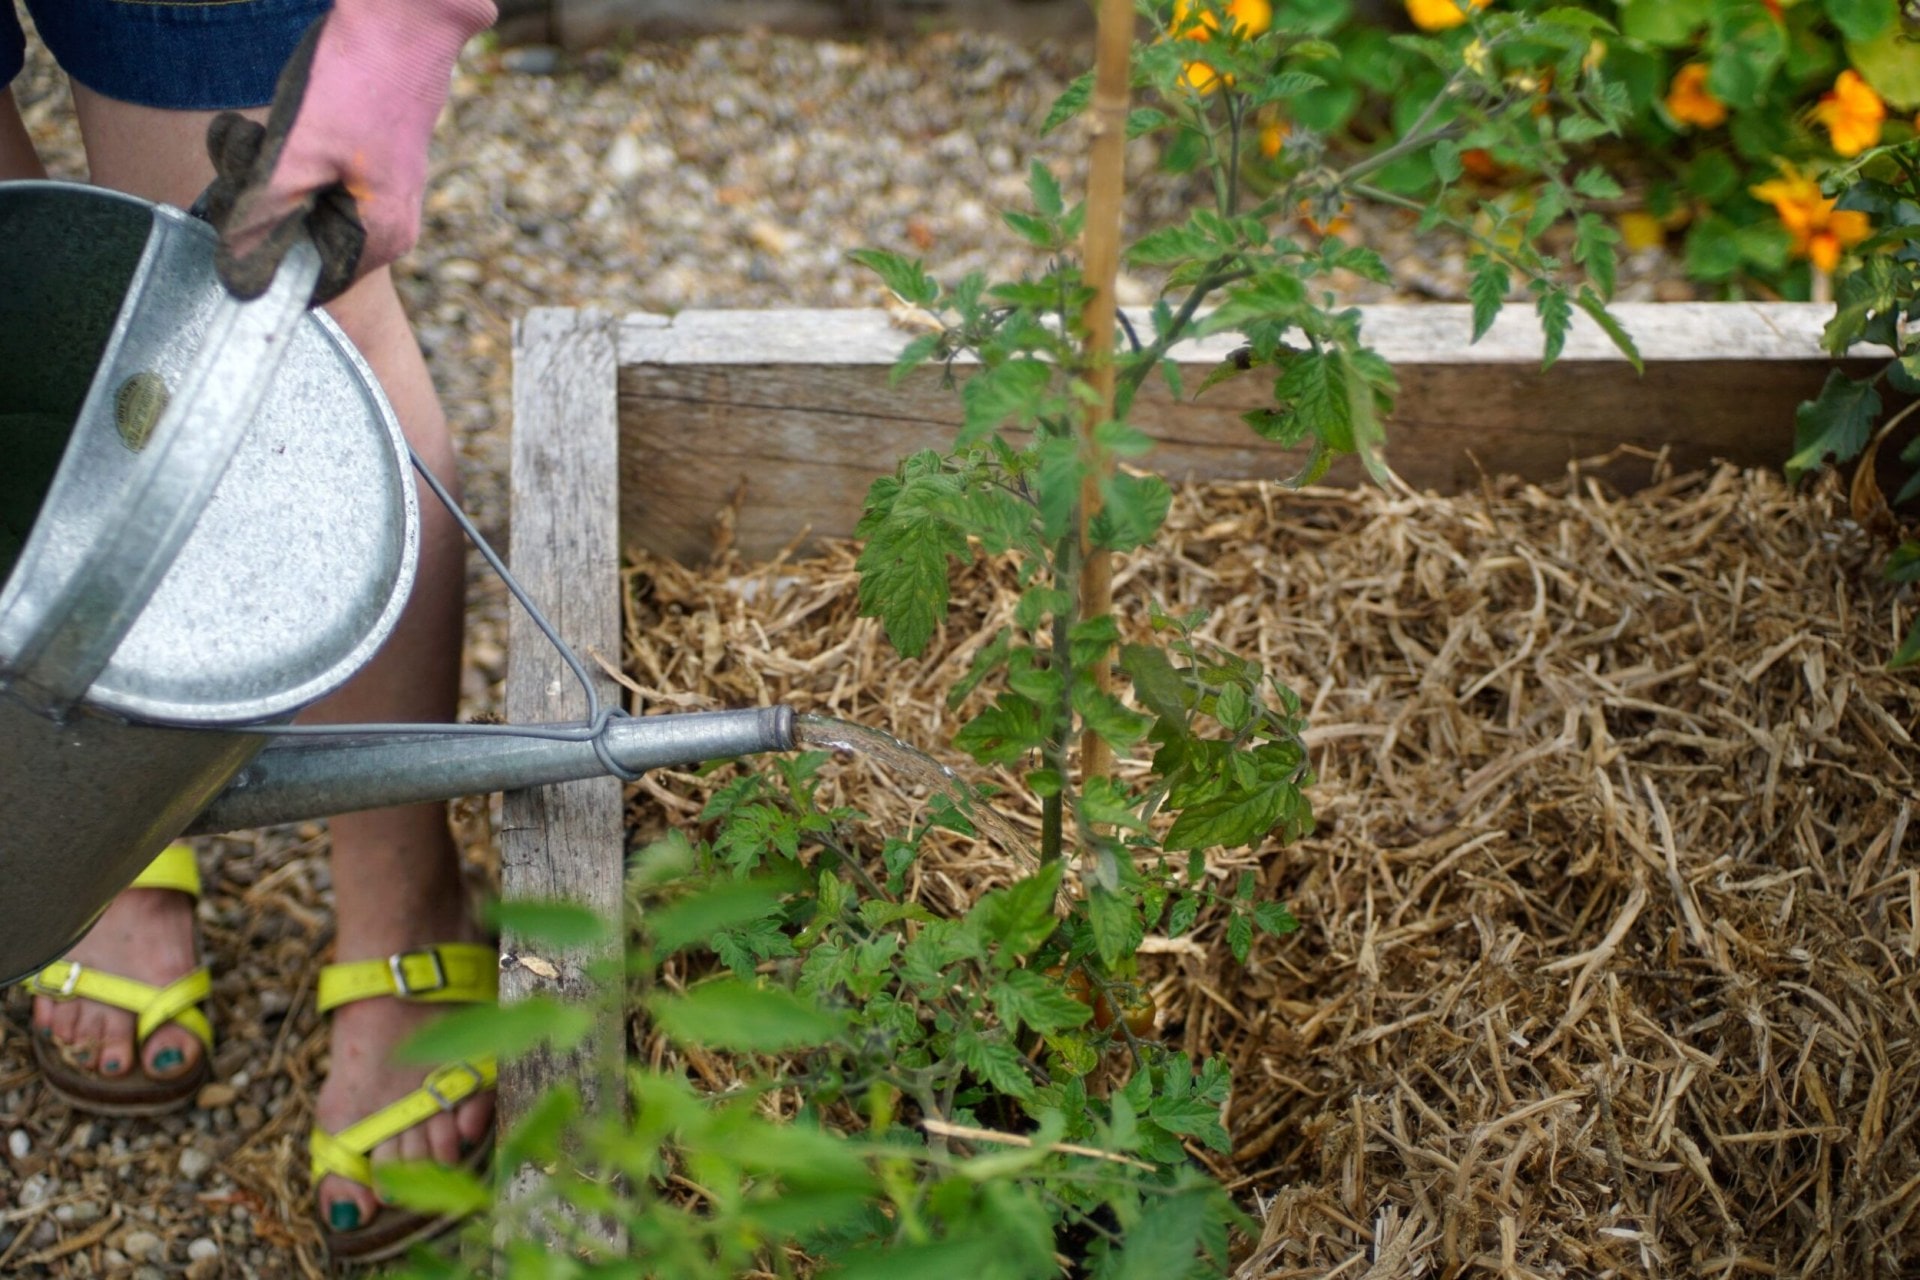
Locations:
(344, 1215)
(466, 1146)
(111, 1066)
(167, 1059)
(46, 1033)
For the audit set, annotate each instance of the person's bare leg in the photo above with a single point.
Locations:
(396, 873)
(18, 159)
(145, 933)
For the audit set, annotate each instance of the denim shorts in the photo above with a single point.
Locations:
(182, 55)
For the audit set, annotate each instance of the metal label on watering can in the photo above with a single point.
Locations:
(207, 522)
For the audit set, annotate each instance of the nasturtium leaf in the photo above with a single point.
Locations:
(1861, 20)
(1748, 47)
(1664, 22)
(1888, 64)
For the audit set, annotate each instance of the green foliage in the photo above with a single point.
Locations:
(890, 1090)
(1876, 303)
(1768, 66)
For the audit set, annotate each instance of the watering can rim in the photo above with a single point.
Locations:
(119, 702)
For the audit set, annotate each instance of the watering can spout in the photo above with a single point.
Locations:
(300, 778)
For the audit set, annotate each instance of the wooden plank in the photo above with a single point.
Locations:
(793, 411)
(563, 842)
(581, 24)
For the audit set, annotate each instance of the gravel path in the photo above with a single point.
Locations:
(725, 172)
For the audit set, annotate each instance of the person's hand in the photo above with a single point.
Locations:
(343, 154)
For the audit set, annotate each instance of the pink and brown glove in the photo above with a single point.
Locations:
(344, 151)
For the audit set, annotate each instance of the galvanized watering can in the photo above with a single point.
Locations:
(207, 523)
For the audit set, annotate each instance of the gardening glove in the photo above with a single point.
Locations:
(343, 154)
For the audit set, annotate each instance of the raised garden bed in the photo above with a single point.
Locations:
(1611, 915)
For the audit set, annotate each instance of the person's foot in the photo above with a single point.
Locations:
(362, 1078)
(146, 935)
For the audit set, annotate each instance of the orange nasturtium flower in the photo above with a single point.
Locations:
(1820, 232)
(1248, 18)
(1691, 102)
(1438, 15)
(1853, 113)
(1273, 136)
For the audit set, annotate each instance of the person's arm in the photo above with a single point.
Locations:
(354, 113)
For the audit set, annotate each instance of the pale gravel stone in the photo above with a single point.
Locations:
(19, 1144)
(141, 1246)
(202, 1248)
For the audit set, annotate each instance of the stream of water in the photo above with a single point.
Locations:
(832, 734)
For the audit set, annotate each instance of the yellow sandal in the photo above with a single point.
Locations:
(136, 1093)
(451, 973)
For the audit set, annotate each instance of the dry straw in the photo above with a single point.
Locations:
(1611, 922)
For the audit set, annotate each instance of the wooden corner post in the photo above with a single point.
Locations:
(564, 842)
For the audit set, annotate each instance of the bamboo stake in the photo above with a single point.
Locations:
(1105, 186)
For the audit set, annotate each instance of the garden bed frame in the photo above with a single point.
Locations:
(760, 429)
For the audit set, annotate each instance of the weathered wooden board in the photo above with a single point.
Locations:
(582, 24)
(792, 412)
(563, 842)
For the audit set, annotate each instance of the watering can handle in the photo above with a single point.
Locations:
(180, 464)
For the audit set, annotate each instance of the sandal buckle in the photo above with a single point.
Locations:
(432, 1086)
(402, 986)
(64, 990)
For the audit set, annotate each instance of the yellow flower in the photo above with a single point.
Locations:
(1438, 15)
(1691, 102)
(1273, 136)
(1640, 231)
(1249, 18)
(1820, 233)
(1201, 78)
(1852, 113)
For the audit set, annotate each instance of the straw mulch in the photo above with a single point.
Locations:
(1610, 926)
